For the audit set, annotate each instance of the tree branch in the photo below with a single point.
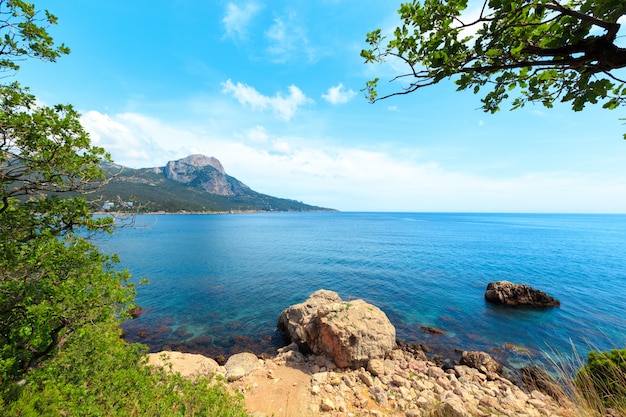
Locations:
(611, 27)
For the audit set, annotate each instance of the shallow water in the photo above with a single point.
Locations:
(219, 282)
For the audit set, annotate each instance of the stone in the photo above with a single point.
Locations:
(433, 330)
(453, 408)
(293, 356)
(489, 402)
(350, 333)
(240, 365)
(292, 320)
(376, 367)
(481, 361)
(327, 405)
(535, 378)
(366, 379)
(235, 373)
(510, 294)
(135, 312)
(379, 394)
(187, 364)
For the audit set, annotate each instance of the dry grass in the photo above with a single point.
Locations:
(593, 395)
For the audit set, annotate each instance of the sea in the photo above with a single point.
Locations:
(218, 283)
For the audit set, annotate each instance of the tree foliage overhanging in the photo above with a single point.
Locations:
(53, 281)
(61, 298)
(539, 50)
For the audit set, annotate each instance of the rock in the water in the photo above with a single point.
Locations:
(507, 293)
(135, 312)
(350, 333)
(433, 330)
(481, 361)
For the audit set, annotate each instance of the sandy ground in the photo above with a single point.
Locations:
(273, 390)
(279, 391)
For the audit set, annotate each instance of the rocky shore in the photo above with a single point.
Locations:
(344, 360)
(404, 384)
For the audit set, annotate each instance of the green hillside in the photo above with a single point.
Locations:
(148, 190)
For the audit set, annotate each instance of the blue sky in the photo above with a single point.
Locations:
(272, 90)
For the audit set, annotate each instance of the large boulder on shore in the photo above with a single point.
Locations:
(507, 293)
(481, 361)
(350, 333)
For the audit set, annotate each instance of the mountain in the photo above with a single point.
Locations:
(196, 183)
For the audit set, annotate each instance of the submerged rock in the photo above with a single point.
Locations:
(135, 312)
(350, 333)
(508, 293)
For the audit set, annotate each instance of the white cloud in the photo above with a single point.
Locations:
(137, 141)
(338, 94)
(288, 40)
(283, 107)
(115, 136)
(351, 179)
(257, 134)
(237, 19)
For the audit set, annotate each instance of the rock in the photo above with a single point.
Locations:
(535, 378)
(487, 401)
(327, 405)
(187, 364)
(452, 408)
(481, 361)
(240, 365)
(366, 379)
(376, 367)
(135, 312)
(379, 394)
(350, 333)
(293, 320)
(206, 173)
(507, 293)
(432, 330)
(235, 373)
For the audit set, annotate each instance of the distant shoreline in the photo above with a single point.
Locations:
(212, 212)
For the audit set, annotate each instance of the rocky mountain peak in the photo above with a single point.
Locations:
(197, 161)
(204, 172)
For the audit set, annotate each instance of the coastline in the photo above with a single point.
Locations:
(352, 364)
(405, 384)
(163, 212)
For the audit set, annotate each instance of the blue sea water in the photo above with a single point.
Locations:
(219, 282)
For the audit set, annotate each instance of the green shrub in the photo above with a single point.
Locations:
(604, 377)
(98, 374)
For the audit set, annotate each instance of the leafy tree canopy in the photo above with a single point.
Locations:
(24, 35)
(53, 281)
(540, 50)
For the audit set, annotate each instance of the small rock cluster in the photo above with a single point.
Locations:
(408, 384)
